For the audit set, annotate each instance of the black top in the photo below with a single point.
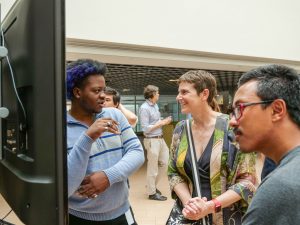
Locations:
(204, 170)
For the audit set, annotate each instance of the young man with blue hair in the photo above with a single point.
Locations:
(103, 150)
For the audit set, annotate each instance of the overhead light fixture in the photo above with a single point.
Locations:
(126, 89)
(173, 80)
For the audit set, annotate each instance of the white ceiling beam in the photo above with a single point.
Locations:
(118, 53)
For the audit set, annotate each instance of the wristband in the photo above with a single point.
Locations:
(218, 205)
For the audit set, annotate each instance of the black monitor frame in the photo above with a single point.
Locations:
(33, 161)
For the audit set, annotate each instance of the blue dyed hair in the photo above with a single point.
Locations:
(79, 70)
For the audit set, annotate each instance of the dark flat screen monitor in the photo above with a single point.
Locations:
(33, 177)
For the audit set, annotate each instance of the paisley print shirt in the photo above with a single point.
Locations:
(229, 169)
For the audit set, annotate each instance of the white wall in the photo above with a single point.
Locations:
(262, 28)
(5, 6)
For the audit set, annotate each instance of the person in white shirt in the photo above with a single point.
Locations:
(157, 150)
(113, 99)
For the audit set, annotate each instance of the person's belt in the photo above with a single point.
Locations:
(160, 136)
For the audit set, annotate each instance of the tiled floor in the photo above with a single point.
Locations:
(4, 209)
(147, 212)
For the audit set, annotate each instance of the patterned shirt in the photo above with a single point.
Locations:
(229, 168)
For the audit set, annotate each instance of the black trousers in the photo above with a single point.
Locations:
(121, 220)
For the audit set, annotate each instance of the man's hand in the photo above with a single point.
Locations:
(101, 125)
(93, 184)
(166, 120)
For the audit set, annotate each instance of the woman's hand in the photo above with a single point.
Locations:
(196, 208)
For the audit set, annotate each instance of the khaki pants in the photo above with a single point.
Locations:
(158, 156)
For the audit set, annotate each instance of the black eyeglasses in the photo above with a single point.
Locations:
(238, 110)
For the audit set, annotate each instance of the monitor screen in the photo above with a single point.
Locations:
(33, 177)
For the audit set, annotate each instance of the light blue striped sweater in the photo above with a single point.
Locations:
(117, 155)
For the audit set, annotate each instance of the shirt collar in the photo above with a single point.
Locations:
(150, 103)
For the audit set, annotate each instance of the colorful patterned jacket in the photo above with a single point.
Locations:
(229, 168)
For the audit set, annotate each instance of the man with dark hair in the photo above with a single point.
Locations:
(102, 149)
(266, 119)
(157, 150)
(113, 99)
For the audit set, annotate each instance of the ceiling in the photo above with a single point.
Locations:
(132, 67)
(131, 79)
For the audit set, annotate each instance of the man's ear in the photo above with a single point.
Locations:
(76, 92)
(279, 110)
